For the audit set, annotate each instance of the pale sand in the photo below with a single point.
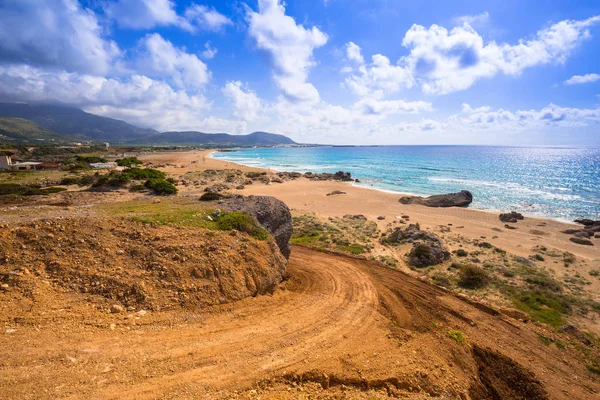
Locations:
(303, 195)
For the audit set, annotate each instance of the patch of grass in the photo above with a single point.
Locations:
(241, 222)
(352, 248)
(546, 341)
(593, 369)
(543, 308)
(457, 336)
(27, 190)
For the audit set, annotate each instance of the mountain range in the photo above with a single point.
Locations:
(43, 123)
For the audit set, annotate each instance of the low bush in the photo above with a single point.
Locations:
(160, 186)
(472, 277)
(137, 188)
(128, 162)
(461, 253)
(457, 336)
(90, 159)
(141, 174)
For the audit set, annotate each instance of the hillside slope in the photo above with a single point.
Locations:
(217, 139)
(74, 122)
(19, 130)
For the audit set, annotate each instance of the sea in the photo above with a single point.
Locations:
(553, 182)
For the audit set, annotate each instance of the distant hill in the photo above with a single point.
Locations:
(216, 139)
(74, 122)
(79, 125)
(22, 131)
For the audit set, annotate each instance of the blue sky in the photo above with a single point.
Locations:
(328, 71)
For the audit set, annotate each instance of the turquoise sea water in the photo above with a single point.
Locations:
(562, 183)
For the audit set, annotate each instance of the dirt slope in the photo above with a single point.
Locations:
(339, 328)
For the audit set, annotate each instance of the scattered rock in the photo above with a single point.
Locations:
(240, 187)
(116, 309)
(511, 217)
(507, 226)
(357, 216)
(459, 199)
(120, 252)
(582, 241)
(427, 247)
(381, 217)
(335, 192)
(338, 176)
(575, 332)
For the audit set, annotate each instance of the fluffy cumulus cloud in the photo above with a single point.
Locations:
(206, 17)
(547, 117)
(353, 53)
(147, 14)
(579, 79)
(290, 46)
(54, 34)
(209, 52)
(442, 61)
(159, 57)
(245, 102)
(369, 106)
(137, 99)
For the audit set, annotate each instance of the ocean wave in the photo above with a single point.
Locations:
(508, 186)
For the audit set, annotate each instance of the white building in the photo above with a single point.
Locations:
(5, 162)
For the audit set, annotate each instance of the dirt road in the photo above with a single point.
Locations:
(337, 321)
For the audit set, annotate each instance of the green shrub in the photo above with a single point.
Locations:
(128, 162)
(137, 188)
(90, 159)
(211, 196)
(472, 277)
(241, 222)
(142, 174)
(68, 181)
(538, 257)
(78, 166)
(160, 186)
(461, 253)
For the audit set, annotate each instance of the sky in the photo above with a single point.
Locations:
(502, 72)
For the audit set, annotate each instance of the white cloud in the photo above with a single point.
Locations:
(246, 103)
(209, 52)
(473, 19)
(54, 34)
(549, 116)
(579, 79)
(391, 107)
(137, 99)
(353, 53)
(290, 46)
(443, 61)
(160, 58)
(206, 18)
(143, 14)
(379, 77)
(147, 14)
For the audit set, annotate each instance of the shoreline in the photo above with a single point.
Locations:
(393, 192)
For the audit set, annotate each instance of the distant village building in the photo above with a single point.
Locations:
(25, 166)
(104, 165)
(5, 162)
(107, 145)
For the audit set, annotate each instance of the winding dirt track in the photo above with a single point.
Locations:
(339, 320)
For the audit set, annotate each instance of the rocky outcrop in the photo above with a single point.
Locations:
(427, 247)
(326, 176)
(459, 199)
(511, 217)
(274, 215)
(335, 192)
(591, 229)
